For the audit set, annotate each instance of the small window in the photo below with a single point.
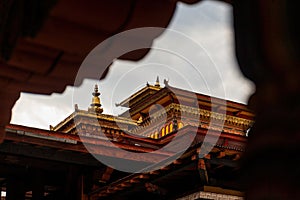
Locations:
(180, 125)
(171, 128)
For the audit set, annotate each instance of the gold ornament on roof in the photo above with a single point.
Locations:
(96, 104)
(157, 82)
(140, 120)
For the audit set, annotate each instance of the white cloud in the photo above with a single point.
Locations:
(40, 111)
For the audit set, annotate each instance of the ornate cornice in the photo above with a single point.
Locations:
(218, 118)
(204, 114)
(106, 117)
(93, 115)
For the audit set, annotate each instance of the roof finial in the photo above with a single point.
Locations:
(96, 105)
(166, 82)
(157, 82)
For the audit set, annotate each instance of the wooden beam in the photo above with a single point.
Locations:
(144, 176)
(154, 172)
(44, 153)
(219, 167)
(117, 188)
(165, 168)
(236, 157)
(125, 184)
(207, 156)
(134, 180)
(153, 188)
(221, 154)
(107, 174)
(222, 161)
(74, 143)
(194, 157)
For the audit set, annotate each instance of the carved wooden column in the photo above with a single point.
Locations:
(15, 189)
(73, 185)
(267, 48)
(38, 185)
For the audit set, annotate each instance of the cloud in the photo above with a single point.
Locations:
(39, 110)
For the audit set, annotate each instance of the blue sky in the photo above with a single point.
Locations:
(202, 33)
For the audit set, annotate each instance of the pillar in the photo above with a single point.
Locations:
(37, 185)
(15, 189)
(73, 186)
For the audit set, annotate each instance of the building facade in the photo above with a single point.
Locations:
(169, 144)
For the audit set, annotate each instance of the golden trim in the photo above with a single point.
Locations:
(141, 91)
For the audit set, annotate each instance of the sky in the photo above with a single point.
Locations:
(196, 54)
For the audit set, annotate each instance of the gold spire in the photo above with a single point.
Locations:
(96, 105)
(157, 82)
